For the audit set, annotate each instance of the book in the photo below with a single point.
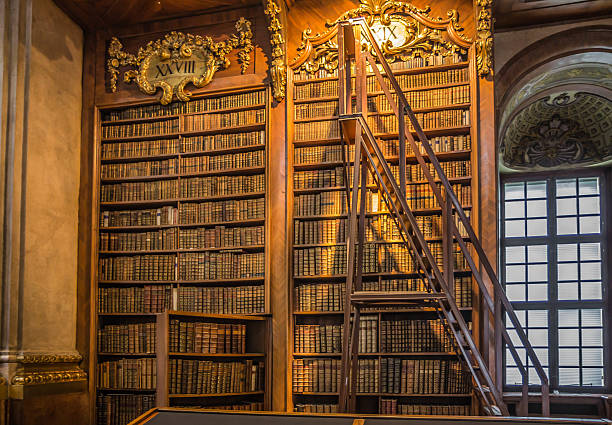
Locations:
(119, 409)
(127, 338)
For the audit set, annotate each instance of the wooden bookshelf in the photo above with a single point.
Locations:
(230, 351)
(315, 177)
(182, 220)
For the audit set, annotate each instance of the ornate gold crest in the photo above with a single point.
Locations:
(403, 32)
(178, 59)
(484, 39)
(278, 69)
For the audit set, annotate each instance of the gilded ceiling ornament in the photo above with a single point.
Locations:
(403, 32)
(172, 62)
(484, 39)
(278, 69)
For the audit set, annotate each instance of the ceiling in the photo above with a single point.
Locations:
(94, 14)
(520, 13)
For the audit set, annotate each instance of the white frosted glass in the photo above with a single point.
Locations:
(566, 187)
(536, 208)
(537, 227)
(588, 185)
(589, 205)
(568, 291)
(514, 190)
(515, 254)
(566, 206)
(537, 292)
(536, 189)
(515, 228)
(589, 224)
(537, 253)
(567, 252)
(567, 226)
(514, 209)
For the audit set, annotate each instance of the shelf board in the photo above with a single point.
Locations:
(227, 171)
(142, 252)
(215, 395)
(381, 242)
(420, 211)
(221, 281)
(139, 158)
(129, 390)
(239, 317)
(226, 248)
(411, 159)
(386, 394)
(407, 354)
(456, 180)
(174, 135)
(126, 354)
(136, 282)
(143, 203)
(233, 129)
(374, 310)
(228, 355)
(139, 178)
(223, 197)
(365, 275)
(233, 109)
(136, 228)
(241, 223)
(138, 120)
(128, 314)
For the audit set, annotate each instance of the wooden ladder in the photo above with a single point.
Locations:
(368, 158)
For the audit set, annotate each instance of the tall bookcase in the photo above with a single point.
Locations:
(182, 226)
(408, 364)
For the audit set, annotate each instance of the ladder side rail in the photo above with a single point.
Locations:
(344, 78)
(498, 290)
(373, 146)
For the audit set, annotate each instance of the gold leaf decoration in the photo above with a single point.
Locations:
(484, 39)
(278, 69)
(178, 59)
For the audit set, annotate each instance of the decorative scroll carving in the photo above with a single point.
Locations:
(563, 130)
(172, 62)
(49, 358)
(484, 39)
(278, 69)
(403, 31)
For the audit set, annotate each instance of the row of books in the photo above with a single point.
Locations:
(413, 336)
(220, 237)
(367, 375)
(211, 143)
(319, 178)
(139, 191)
(330, 231)
(398, 65)
(221, 265)
(197, 164)
(138, 267)
(393, 407)
(384, 124)
(120, 409)
(390, 148)
(127, 338)
(164, 167)
(330, 296)
(430, 225)
(194, 105)
(111, 151)
(245, 405)
(145, 241)
(201, 337)
(423, 376)
(318, 338)
(223, 120)
(138, 374)
(425, 79)
(415, 173)
(456, 95)
(317, 130)
(316, 375)
(198, 187)
(377, 258)
(217, 211)
(134, 299)
(141, 129)
(315, 408)
(210, 377)
(222, 300)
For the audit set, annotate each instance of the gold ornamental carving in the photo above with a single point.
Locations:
(49, 358)
(484, 38)
(48, 377)
(278, 69)
(178, 59)
(403, 31)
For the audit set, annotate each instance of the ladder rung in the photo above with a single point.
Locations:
(394, 297)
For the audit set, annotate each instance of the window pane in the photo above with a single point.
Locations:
(521, 315)
(590, 291)
(515, 254)
(568, 318)
(590, 251)
(592, 337)
(515, 273)
(591, 318)
(589, 224)
(536, 189)
(589, 205)
(537, 292)
(567, 226)
(542, 355)
(567, 252)
(566, 187)
(567, 271)
(592, 356)
(566, 206)
(589, 185)
(514, 190)
(537, 253)
(569, 376)
(536, 208)
(537, 273)
(515, 209)
(590, 271)
(536, 227)
(537, 318)
(513, 376)
(569, 338)
(515, 292)
(569, 356)
(568, 290)
(515, 228)
(593, 376)
(538, 337)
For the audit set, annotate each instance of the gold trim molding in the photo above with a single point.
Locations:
(425, 35)
(49, 358)
(48, 377)
(178, 59)
(278, 69)
(484, 38)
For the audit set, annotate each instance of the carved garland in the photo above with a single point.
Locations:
(175, 52)
(484, 39)
(278, 69)
(424, 35)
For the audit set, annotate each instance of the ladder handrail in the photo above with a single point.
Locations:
(405, 109)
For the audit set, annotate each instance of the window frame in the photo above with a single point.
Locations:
(552, 240)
